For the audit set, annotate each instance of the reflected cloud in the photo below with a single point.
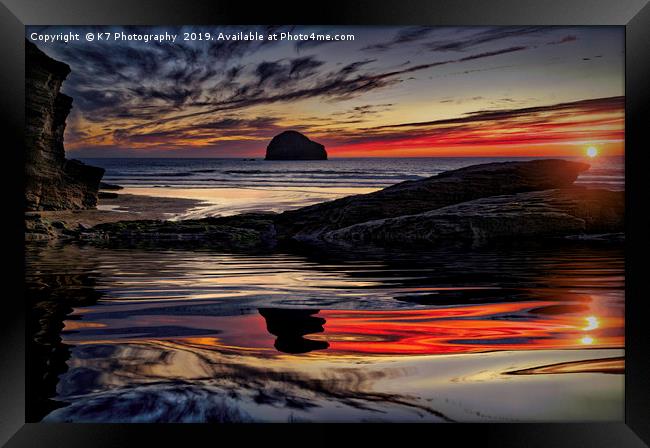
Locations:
(592, 323)
(608, 365)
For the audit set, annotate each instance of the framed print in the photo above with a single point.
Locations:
(428, 215)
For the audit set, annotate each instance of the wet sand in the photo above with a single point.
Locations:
(231, 201)
(192, 203)
(125, 207)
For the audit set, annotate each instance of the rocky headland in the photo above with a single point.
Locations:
(419, 196)
(292, 145)
(507, 201)
(547, 213)
(52, 182)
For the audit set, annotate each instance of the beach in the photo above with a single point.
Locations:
(150, 203)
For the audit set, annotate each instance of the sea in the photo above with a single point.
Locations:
(605, 172)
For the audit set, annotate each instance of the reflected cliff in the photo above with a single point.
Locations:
(51, 296)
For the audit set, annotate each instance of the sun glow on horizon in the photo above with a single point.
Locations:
(592, 152)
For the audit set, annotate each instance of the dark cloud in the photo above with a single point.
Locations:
(461, 100)
(597, 105)
(93, 99)
(310, 44)
(177, 96)
(270, 84)
(120, 80)
(365, 110)
(403, 36)
(371, 108)
(483, 37)
(487, 54)
(304, 67)
(278, 73)
(234, 126)
(355, 66)
(564, 40)
(272, 72)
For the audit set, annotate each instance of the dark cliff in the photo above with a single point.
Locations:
(51, 181)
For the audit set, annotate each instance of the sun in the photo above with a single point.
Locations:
(592, 152)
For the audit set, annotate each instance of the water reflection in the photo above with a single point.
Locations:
(323, 336)
(177, 381)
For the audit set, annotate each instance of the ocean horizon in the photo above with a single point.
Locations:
(606, 171)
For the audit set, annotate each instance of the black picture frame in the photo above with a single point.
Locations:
(633, 14)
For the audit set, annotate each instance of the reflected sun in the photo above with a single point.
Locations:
(592, 323)
(587, 340)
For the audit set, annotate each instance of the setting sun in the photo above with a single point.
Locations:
(592, 151)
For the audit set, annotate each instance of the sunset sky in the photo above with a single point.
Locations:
(392, 92)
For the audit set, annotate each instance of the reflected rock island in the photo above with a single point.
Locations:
(290, 325)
